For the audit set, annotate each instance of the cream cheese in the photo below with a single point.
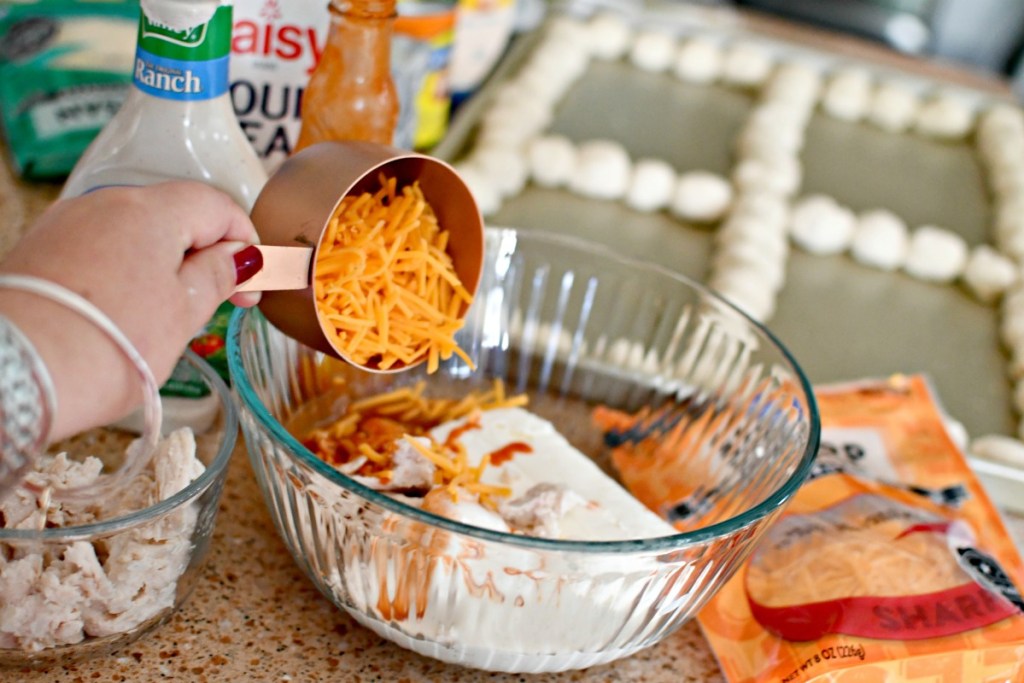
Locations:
(502, 606)
(607, 511)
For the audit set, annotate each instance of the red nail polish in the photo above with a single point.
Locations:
(248, 262)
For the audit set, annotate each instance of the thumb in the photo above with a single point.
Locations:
(210, 275)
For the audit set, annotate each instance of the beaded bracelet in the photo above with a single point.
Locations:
(139, 456)
(27, 405)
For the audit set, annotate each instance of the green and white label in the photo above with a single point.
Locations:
(184, 65)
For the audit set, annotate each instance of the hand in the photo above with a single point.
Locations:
(158, 260)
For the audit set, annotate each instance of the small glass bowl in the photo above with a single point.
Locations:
(732, 420)
(154, 554)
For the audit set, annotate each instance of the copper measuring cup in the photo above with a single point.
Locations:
(294, 208)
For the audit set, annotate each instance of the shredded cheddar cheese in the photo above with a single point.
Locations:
(836, 562)
(385, 284)
(371, 428)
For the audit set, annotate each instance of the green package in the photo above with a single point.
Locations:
(65, 68)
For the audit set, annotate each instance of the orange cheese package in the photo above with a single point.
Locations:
(889, 564)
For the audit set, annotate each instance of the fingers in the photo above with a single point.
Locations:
(209, 276)
(202, 214)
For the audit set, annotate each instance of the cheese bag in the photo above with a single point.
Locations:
(65, 68)
(889, 564)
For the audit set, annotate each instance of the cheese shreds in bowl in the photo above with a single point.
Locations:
(371, 441)
(386, 289)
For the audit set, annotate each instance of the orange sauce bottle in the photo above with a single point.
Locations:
(351, 94)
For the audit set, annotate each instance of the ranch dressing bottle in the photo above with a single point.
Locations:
(177, 122)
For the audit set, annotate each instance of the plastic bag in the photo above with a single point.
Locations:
(65, 68)
(890, 563)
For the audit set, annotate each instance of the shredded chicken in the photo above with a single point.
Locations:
(539, 511)
(61, 593)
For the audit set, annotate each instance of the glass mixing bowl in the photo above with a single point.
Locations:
(721, 430)
(94, 586)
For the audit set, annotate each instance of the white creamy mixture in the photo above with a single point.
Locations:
(562, 487)
(466, 601)
(54, 594)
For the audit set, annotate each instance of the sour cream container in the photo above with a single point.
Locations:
(276, 46)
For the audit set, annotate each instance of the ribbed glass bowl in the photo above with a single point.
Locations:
(732, 421)
(141, 566)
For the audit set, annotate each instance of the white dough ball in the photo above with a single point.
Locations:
(935, 254)
(1013, 245)
(1011, 333)
(988, 273)
(847, 94)
(999, 448)
(510, 92)
(567, 30)
(551, 160)
(1001, 116)
(1011, 329)
(557, 57)
(998, 124)
(1016, 365)
(651, 186)
(546, 87)
(746, 230)
(1007, 180)
(772, 112)
(609, 35)
(603, 170)
(653, 51)
(794, 83)
(1004, 156)
(1013, 299)
(781, 174)
(748, 255)
(698, 61)
(770, 210)
(946, 117)
(480, 185)
(820, 225)
(701, 197)
(552, 70)
(880, 240)
(893, 107)
(1009, 219)
(746, 291)
(505, 166)
(747, 64)
(780, 113)
(517, 121)
(1000, 148)
(765, 141)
